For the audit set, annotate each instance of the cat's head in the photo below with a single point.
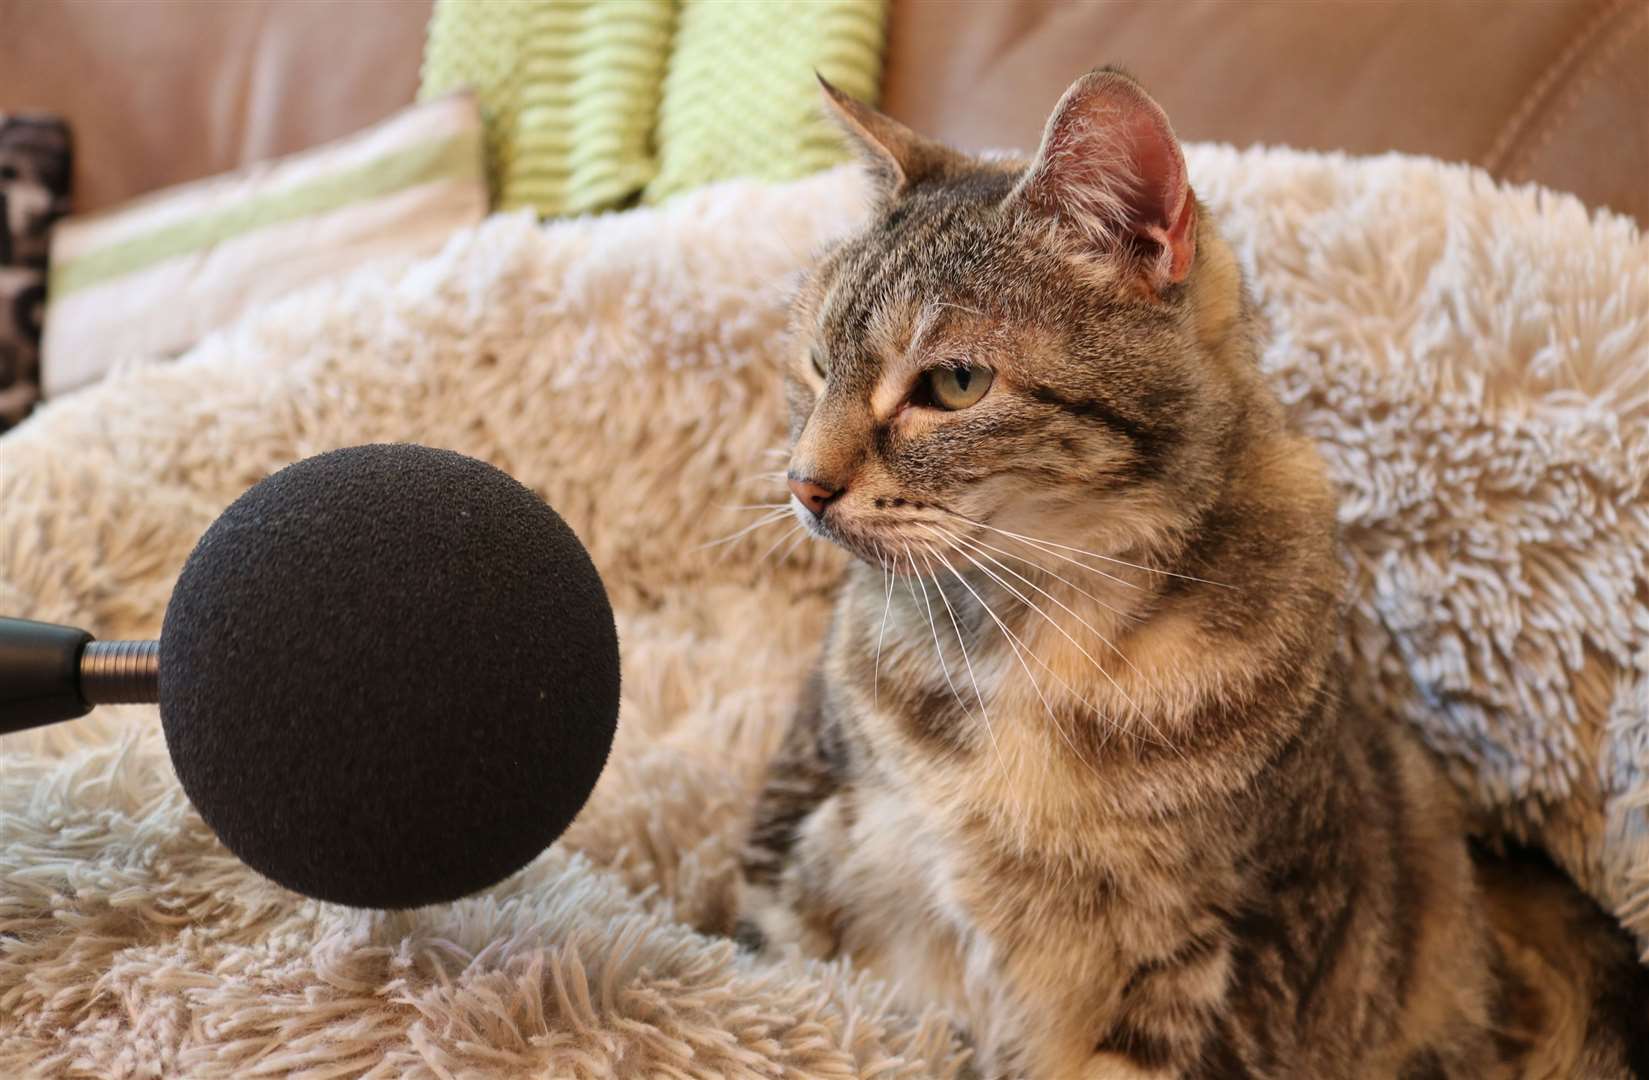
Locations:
(1055, 347)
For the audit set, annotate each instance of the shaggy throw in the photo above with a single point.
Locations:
(1473, 360)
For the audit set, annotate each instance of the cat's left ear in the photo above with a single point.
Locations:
(1110, 167)
(896, 157)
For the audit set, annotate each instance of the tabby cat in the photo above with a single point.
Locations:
(1074, 762)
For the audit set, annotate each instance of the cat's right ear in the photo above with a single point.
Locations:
(1110, 168)
(896, 158)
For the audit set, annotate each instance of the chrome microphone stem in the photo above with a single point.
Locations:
(120, 672)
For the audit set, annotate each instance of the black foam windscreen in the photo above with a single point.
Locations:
(389, 676)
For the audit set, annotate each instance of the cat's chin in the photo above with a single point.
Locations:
(882, 551)
(909, 543)
(857, 542)
(860, 547)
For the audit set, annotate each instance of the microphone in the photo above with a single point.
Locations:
(50, 673)
(388, 676)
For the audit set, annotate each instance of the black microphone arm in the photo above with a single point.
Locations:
(50, 673)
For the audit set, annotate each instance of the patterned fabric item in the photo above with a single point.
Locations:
(740, 98)
(151, 278)
(591, 105)
(34, 192)
(568, 92)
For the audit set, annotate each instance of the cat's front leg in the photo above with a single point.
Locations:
(801, 909)
(1111, 1067)
(1127, 1052)
(1167, 1026)
(1167, 1021)
(792, 818)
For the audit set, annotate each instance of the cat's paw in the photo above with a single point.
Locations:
(749, 937)
(1104, 1066)
(768, 924)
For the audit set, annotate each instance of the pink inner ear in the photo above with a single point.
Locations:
(1160, 206)
(1109, 145)
(1156, 162)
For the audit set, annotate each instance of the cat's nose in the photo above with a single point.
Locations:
(814, 495)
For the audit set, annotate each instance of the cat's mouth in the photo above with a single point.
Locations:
(912, 543)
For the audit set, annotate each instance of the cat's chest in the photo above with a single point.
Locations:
(904, 879)
(978, 719)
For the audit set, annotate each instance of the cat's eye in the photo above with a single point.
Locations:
(955, 388)
(818, 362)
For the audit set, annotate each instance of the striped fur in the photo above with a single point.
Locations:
(1096, 792)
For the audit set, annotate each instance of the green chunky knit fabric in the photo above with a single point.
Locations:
(594, 104)
(740, 98)
(568, 92)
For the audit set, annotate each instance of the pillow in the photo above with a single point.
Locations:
(568, 88)
(34, 192)
(590, 105)
(151, 278)
(740, 98)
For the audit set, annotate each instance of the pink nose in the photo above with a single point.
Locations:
(814, 495)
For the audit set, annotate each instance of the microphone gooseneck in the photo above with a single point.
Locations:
(51, 673)
(120, 672)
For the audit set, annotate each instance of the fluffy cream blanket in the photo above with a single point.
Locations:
(1473, 360)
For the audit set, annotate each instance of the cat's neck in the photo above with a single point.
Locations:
(1148, 661)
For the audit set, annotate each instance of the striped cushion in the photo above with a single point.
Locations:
(569, 90)
(740, 98)
(152, 277)
(593, 105)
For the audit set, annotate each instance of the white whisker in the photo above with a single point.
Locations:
(887, 606)
(1064, 633)
(1007, 777)
(934, 626)
(963, 644)
(794, 530)
(1107, 575)
(1016, 645)
(1085, 623)
(1091, 554)
(971, 542)
(1041, 549)
(771, 517)
(793, 545)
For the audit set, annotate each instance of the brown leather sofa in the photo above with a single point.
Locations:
(1550, 91)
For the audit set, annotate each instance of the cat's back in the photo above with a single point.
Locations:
(1574, 999)
(1355, 950)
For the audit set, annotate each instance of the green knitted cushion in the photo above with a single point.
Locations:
(740, 98)
(591, 104)
(568, 92)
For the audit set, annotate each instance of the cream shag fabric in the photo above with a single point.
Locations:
(1474, 361)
